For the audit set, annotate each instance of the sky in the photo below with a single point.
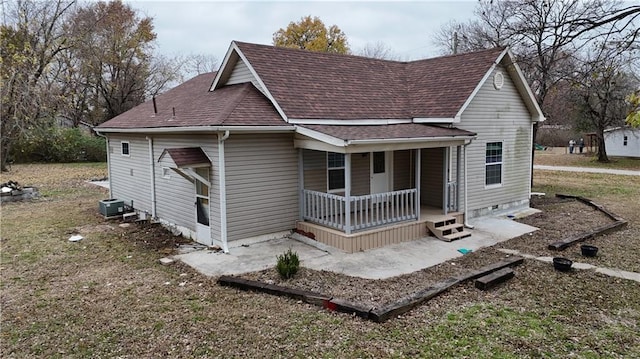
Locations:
(208, 27)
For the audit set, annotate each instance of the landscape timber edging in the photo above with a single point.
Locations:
(374, 314)
(618, 223)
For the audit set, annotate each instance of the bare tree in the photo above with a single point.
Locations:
(601, 86)
(32, 37)
(378, 50)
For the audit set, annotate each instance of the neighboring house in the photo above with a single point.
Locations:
(622, 141)
(354, 152)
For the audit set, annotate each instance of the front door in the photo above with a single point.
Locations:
(381, 171)
(203, 232)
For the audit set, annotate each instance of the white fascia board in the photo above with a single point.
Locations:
(458, 116)
(191, 129)
(521, 83)
(264, 87)
(223, 66)
(363, 122)
(409, 140)
(334, 141)
(434, 120)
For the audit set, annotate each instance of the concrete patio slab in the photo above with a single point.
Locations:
(379, 263)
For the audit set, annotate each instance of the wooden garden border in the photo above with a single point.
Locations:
(379, 315)
(618, 223)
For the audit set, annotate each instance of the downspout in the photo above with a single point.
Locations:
(466, 209)
(152, 168)
(223, 191)
(108, 162)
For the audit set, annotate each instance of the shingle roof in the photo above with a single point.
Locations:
(195, 105)
(187, 156)
(312, 85)
(397, 131)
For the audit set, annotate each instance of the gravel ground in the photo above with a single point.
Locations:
(559, 219)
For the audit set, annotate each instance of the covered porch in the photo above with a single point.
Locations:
(367, 194)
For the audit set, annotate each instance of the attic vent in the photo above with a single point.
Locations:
(498, 80)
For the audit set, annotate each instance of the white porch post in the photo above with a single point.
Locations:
(417, 181)
(301, 183)
(458, 175)
(347, 193)
(445, 180)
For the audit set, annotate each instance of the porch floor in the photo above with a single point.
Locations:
(380, 236)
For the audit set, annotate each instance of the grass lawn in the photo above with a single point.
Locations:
(559, 156)
(107, 295)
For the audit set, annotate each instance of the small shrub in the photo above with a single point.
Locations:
(288, 264)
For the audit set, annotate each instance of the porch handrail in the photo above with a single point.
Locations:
(367, 211)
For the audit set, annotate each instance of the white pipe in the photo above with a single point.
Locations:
(152, 168)
(466, 208)
(223, 192)
(108, 162)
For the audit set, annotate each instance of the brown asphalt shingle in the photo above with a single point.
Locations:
(195, 105)
(312, 85)
(187, 156)
(397, 131)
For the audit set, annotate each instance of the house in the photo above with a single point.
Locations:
(354, 152)
(622, 141)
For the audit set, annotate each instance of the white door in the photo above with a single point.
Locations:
(381, 171)
(203, 232)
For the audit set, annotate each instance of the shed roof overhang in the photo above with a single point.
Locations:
(185, 160)
(357, 139)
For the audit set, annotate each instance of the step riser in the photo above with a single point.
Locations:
(448, 229)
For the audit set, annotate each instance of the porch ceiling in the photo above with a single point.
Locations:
(362, 138)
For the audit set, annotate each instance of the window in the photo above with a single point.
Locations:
(125, 148)
(166, 172)
(493, 164)
(624, 141)
(378, 162)
(335, 172)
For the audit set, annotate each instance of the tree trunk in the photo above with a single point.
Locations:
(602, 151)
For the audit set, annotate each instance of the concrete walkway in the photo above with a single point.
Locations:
(379, 263)
(587, 170)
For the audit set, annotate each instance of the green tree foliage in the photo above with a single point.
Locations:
(55, 144)
(633, 118)
(311, 34)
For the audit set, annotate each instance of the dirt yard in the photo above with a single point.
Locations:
(107, 295)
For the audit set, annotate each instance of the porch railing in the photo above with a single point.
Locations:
(452, 196)
(365, 211)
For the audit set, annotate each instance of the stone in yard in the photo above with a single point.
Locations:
(166, 261)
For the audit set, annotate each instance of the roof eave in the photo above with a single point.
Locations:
(191, 129)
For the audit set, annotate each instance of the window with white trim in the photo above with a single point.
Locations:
(493, 164)
(124, 148)
(335, 172)
(166, 172)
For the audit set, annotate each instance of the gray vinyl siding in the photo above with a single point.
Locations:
(402, 170)
(498, 116)
(262, 184)
(360, 174)
(315, 170)
(242, 74)
(431, 178)
(130, 175)
(175, 196)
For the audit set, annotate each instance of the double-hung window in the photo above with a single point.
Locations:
(124, 147)
(493, 164)
(335, 172)
(625, 140)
